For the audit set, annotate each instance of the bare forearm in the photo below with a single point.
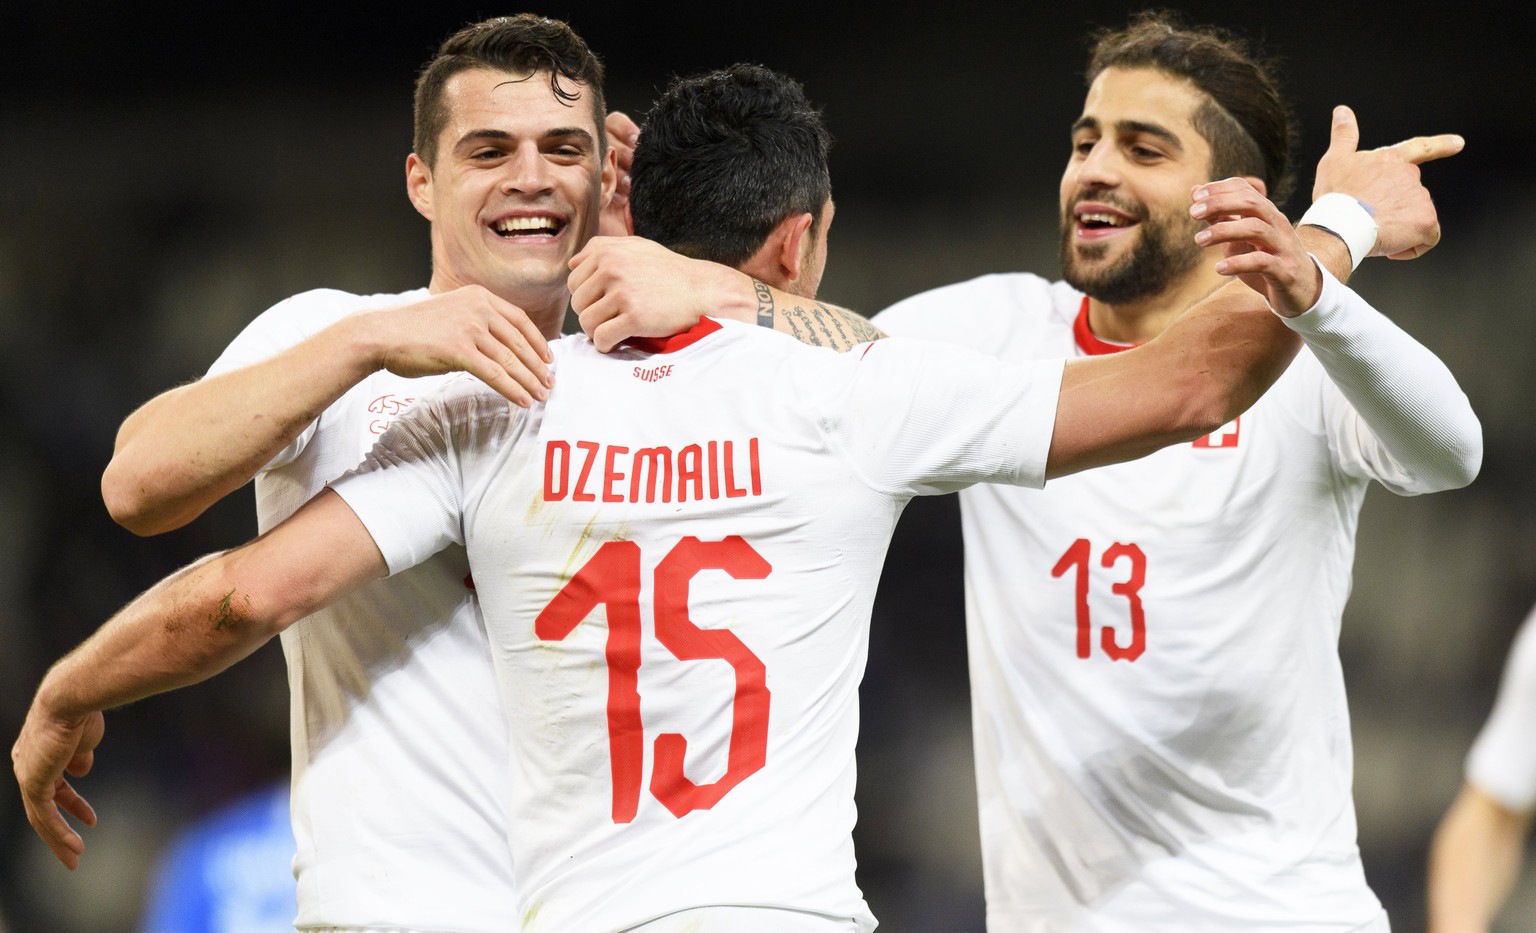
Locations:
(1473, 863)
(191, 446)
(185, 629)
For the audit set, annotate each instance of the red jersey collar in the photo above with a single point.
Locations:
(1087, 342)
(678, 341)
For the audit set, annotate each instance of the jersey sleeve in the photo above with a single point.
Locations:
(1393, 411)
(922, 418)
(1502, 763)
(285, 324)
(409, 491)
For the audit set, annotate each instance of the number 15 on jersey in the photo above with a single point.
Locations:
(612, 578)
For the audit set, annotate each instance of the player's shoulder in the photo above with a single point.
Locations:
(318, 308)
(996, 292)
(1003, 314)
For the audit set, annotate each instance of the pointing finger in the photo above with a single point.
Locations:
(1421, 149)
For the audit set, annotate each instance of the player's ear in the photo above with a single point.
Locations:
(418, 185)
(792, 247)
(778, 261)
(609, 177)
(1258, 184)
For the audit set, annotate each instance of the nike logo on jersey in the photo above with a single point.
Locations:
(587, 471)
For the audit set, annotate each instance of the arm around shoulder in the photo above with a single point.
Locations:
(191, 446)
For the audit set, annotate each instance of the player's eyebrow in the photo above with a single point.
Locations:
(490, 135)
(1133, 127)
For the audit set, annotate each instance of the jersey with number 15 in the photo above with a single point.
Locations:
(676, 557)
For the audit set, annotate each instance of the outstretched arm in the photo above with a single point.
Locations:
(185, 629)
(1408, 423)
(633, 287)
(187, 448)
(1473, 862)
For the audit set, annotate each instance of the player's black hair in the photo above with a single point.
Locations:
(723, 158)
(1245, 118)
(521, 44)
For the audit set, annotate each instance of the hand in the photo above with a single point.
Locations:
(624, 287)
(466, 330)
(1387, 181)
(623, 135)
(1261, 247)
(46, 749)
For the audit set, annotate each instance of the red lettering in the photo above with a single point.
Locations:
(714, 470)
(659, 459)
(757, 473)
(732, 491)
(551, 492)
(611, 476)
(689, 469)
(581, 494)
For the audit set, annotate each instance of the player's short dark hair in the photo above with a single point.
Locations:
(723, 158)
(1245, 119)
(521, 44)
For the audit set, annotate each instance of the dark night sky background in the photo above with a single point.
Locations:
(166, 172)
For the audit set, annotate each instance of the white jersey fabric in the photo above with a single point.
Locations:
(1502, 763)
(399, 747)
(1161, 734)
(676, 556)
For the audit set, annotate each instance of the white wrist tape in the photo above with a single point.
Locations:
(1347, 219)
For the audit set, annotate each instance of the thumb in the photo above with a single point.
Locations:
(1344, 137)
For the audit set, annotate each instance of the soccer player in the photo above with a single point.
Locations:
(1480, 845)
(1162, 738)
(399, 754)
(676, 553)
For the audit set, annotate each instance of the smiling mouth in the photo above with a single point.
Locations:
(1101, 221)
(509, 227)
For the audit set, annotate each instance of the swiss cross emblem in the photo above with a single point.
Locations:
(388, 406)
(1225, 437)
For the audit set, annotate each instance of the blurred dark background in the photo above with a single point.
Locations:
(167, 172)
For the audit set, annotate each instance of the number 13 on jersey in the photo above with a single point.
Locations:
(612, 578)
(1079, 555)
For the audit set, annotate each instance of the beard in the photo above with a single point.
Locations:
(1164, 252)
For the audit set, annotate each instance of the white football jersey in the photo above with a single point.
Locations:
(676, 556)
(399, 749)
(1161, 733)
(1502, 763)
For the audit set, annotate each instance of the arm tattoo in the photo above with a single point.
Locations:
(226, 616)
(764, 304)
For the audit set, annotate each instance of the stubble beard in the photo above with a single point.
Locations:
(1163, 254)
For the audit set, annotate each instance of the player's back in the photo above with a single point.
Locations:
(676, 556)
(684, 620)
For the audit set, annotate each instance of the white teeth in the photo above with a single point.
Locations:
(1112, 220)
(519, 224)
